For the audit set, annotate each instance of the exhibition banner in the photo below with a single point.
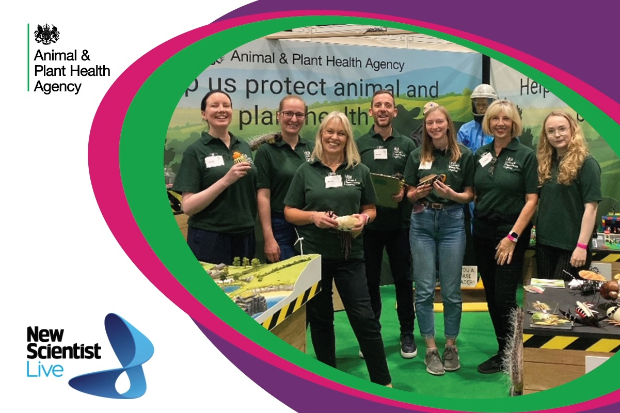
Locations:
(105, 307)
(535, 101)
(328, 77)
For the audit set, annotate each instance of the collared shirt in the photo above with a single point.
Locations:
(471, 135)
(459, 174)
(276, 164)
(316, 188)
(387, 157)
(205, 162)
(561, 207)
(501, 183)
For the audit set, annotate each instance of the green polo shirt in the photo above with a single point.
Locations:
(276, 164)
(308, 192)
(503, 191)
(561, 207)
(234, 210)
(398, 148)
(459, 174)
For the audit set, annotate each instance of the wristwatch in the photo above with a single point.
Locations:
(513, 236)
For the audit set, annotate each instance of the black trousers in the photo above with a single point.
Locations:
(350, 279)
(396, 243)
(500, 282)
(551, 262)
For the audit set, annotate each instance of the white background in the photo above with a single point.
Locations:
(60, 265)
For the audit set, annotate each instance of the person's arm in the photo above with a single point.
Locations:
(506, 247)
(400, 195)
(578, 258)
(192, 203)
(367, 214)
(272, 249)
(300, 217)
(445, 191)
(415, 193)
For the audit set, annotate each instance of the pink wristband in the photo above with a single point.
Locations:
(511, 238)
(582, 246)
(367, 219)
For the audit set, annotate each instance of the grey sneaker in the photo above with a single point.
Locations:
(451, 359)
(433, 363)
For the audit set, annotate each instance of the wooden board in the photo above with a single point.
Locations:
(182, 223)
(293, 329)
(544, 369)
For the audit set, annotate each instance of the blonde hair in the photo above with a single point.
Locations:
(510, 110)
(427, 140)
(351, 154)
(573, 159)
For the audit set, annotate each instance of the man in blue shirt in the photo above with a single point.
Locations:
(471, 134)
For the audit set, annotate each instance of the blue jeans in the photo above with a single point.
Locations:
(350, 279)
(437, 239)
(284, 234)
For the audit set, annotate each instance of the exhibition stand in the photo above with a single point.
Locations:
(555, 356)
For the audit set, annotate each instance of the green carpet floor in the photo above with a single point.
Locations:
(476, 343)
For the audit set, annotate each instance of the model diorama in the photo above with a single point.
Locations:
(611, 230)
(261, 290)
(602, 304)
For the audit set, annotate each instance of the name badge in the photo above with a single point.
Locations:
(426, 165)
(381, 153)
(214, 160)
(485, 159)
(333, 181)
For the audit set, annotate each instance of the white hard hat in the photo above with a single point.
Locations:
(484, 91)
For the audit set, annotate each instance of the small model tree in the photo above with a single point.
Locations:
(255, 262)
(236, 262)
(246, 262)
(223, 274)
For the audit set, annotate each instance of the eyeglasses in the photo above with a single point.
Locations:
(288, 114)
(492, 167)
(562, 130)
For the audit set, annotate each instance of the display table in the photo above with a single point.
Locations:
(552, 357)
(273, 294)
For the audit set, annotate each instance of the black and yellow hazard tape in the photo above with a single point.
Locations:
(601, 345)
(606, 256)
(175, 201)
(283, 313)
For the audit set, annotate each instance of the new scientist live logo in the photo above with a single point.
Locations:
(131, 347)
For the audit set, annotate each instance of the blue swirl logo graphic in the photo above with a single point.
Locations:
(132, 349)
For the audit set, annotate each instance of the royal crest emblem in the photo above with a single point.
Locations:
(46, 34)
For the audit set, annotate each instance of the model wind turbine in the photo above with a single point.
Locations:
(301, 244)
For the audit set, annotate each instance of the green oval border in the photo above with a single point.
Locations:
(141, 158)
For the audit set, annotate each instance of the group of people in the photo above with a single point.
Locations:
(300, 189)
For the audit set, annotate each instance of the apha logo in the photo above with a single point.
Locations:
(46, 34)
(132, 349)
